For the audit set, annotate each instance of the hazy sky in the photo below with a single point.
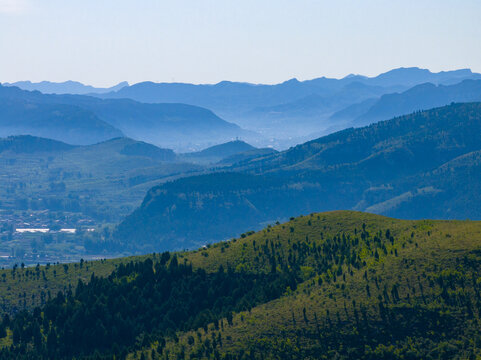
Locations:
(101, 42)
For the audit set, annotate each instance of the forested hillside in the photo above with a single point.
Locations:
(343, 285)
(423, 165)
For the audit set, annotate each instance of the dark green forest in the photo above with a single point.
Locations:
(137, 303)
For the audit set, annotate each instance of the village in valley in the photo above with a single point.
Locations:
(41, 237)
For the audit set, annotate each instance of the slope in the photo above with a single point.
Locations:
(344, 285)
(420, 97)
(247, 156)
(412, 294)
(178, 126)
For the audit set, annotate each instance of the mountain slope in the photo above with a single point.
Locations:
(389, 168)
(423, 139)
(412, 295)
(343, 285)
(310, 113)
(353, 111)
(420, 97)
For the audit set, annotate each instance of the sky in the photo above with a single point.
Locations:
(103, 42)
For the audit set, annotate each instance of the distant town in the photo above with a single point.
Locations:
(41, 237)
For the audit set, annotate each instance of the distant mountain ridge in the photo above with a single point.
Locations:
(80, 119)
(66, 87)
(279, 115)
(252, 95)
(22, 112)
(412, 76)
(293, 108)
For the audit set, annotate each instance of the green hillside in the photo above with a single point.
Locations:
(411, 292)
(342, 284)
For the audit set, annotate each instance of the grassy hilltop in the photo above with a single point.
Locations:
(342, 284)
(412, 292)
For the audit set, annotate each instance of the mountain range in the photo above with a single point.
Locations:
(188, 117)
(79, 119)
(234, 97)
(22, 112)
(292, 109)
(423, 165)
